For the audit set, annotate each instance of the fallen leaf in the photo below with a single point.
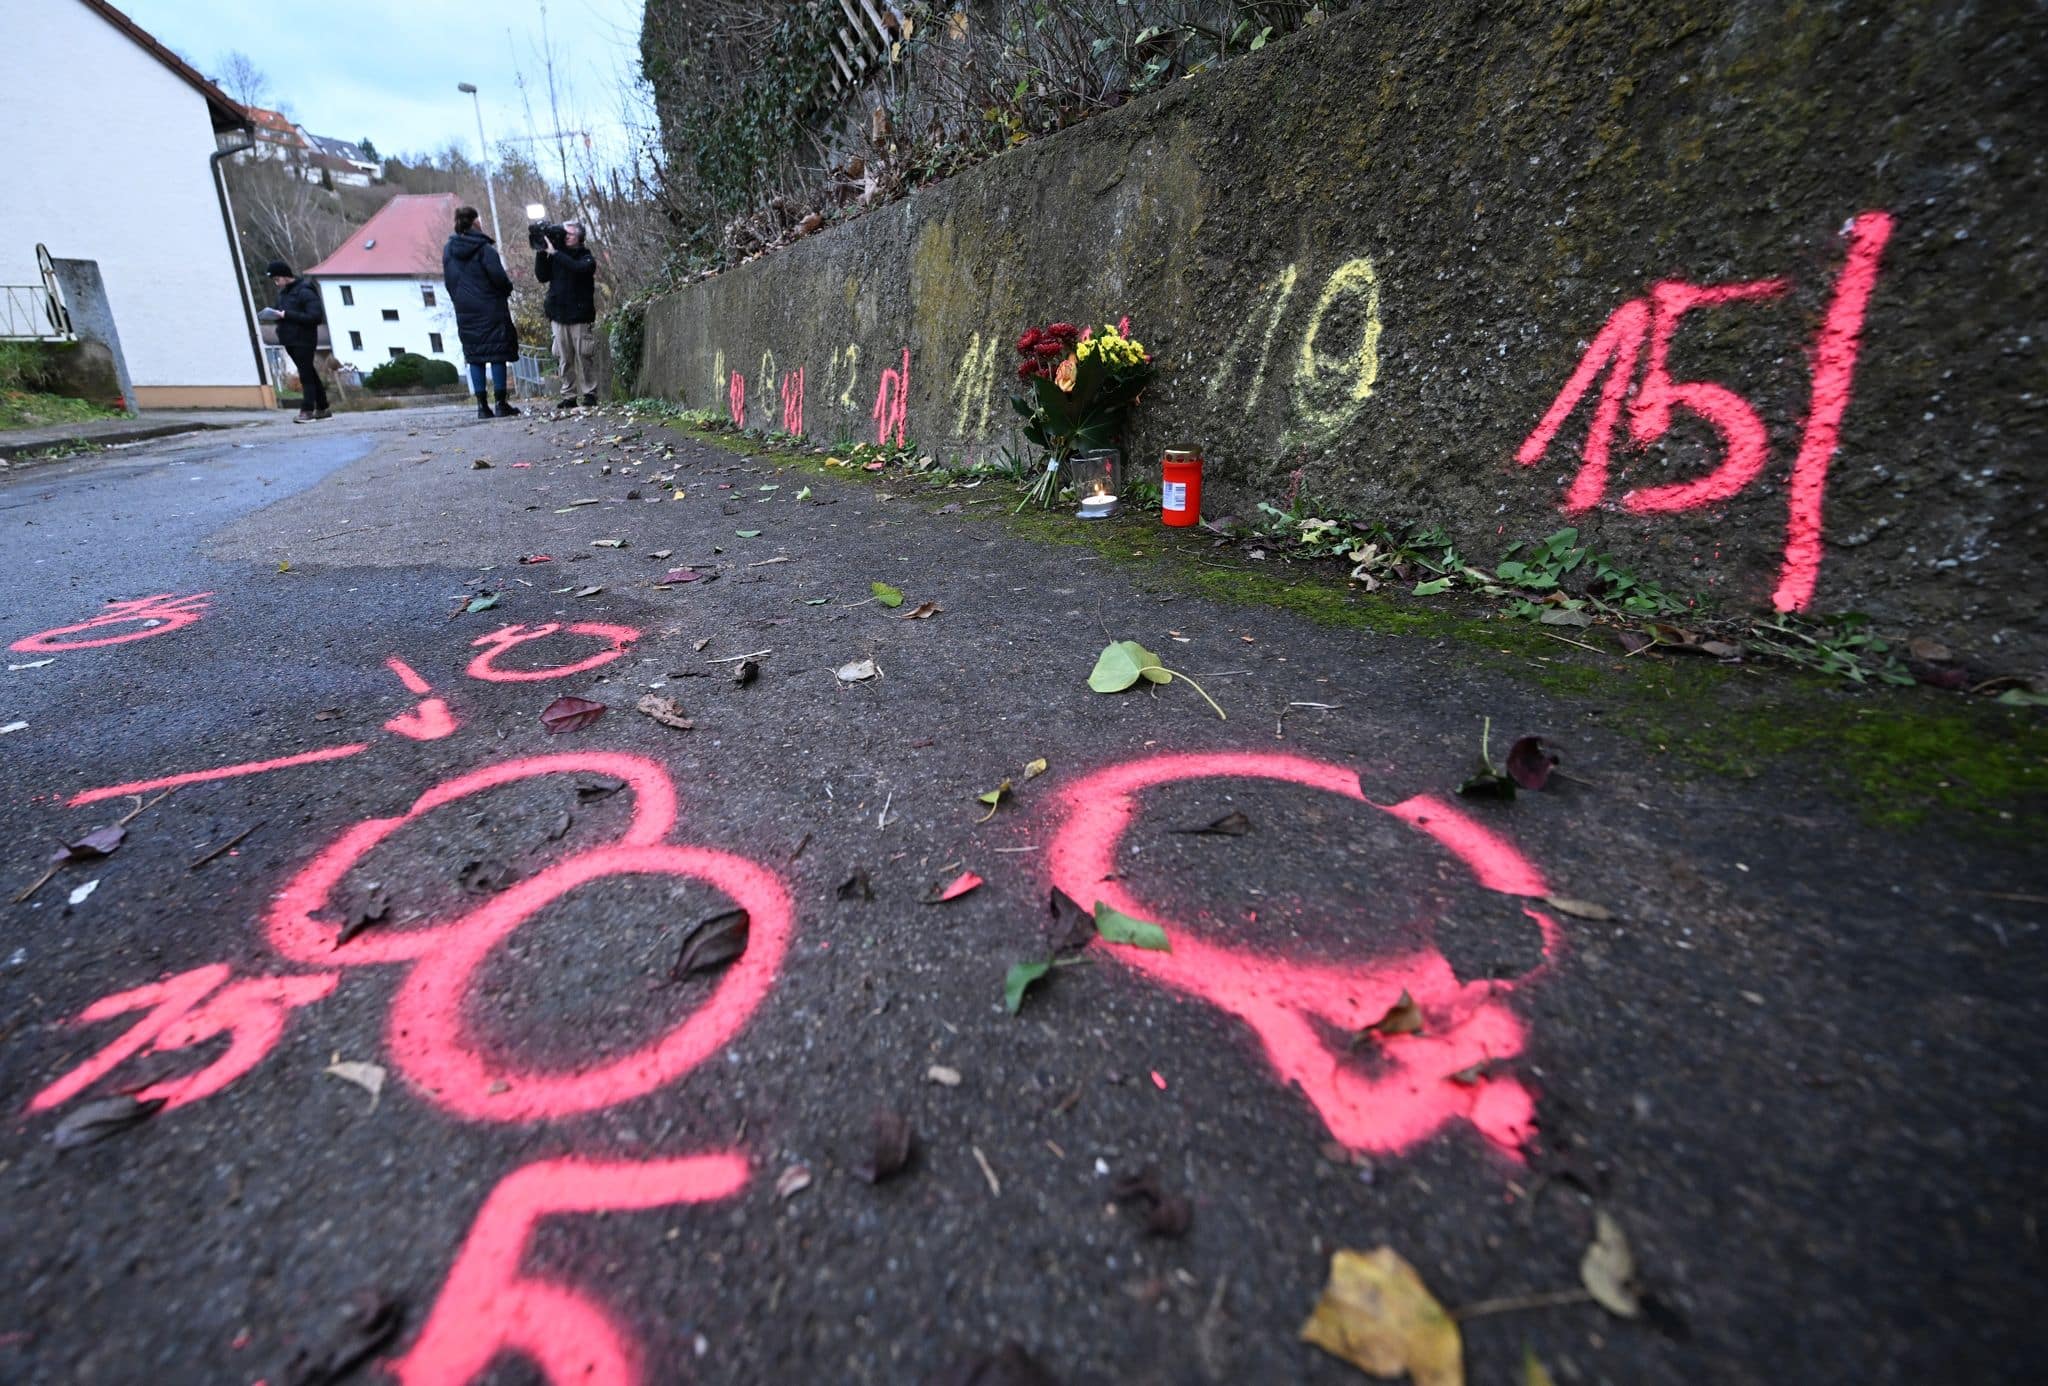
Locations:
(97, 1120)
(78, 896)
(369, 909)
(888, 1149)
(682, 575)
(885, 594)
(368, 1077)
(748, 533)
(993, 798)
(486, 876)
(482, 602)
(859, 671)
(857, 886)
(956, 888)
(923, 611)
(700, 644)
(1117, 927)
(1633, 641)
(570, 714)
(1012, 1366)
(1020, 979)
(1121, 664)
(1232, 824)
(1533, 1372)
(665, 711)
(531, 558)
(590, 791)
(607, 543)
(372, 1324)
(1377, 1315)
(100, 842)
(588, 591)
(804, 494)
(1166, 1214)
(943, 1076)
(1528, 764)
(745, 672)
(712, 943)
(1033, 769)
(1073, 928)
(793, 1181)
(1404, 1017)
(816, 601)
(1471, 1074)
(1608, 1269)
(1560, 617)
(1578, 909)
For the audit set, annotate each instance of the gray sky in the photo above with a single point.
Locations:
(388, 68)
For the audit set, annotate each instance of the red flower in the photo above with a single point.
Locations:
(1066, 331)
(1028, 340)
(1051, 349)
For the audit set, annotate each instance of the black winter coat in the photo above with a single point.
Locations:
(571, 276)
(482, 293)
(299, 301)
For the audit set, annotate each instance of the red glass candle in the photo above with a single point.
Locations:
(1180, 488)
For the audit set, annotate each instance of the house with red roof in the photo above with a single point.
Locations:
(382, 286)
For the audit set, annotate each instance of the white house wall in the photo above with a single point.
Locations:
(382, 340)
(107, 161)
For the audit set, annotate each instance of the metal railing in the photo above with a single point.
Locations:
(32, 312)
(533, 368)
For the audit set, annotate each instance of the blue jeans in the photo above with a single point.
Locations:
(476, 377)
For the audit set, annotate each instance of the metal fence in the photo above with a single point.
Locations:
(32, 312)
(532, 369)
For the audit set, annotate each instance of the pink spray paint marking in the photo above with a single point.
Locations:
(427, 1038)
(484, 666)
(793, 402)
(1303, 1013)
(1834, 368)
(1651, 323)
(294, 932)
(218, 772)
(185, 1011)
(167, 611)
(431, 720)
(489, 1308)
(892, 402)
(736, 399)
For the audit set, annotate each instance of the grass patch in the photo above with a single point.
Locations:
(33, 409)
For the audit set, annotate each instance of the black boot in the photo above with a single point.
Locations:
(483, 405)
(590, 400)
(505, 411)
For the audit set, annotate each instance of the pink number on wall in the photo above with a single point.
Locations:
(793, 402)
(1641, 331)
(892, 402)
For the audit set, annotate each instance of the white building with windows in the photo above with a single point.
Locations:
(382, 286)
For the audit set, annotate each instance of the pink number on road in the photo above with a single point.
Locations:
(158, 615)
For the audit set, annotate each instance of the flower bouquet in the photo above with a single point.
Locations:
(1079, 384)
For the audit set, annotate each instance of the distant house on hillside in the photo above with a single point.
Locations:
(382, 286)
(340, 160)
(114, 147)
(277, 137)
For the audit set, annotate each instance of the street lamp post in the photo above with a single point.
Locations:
(483, 147)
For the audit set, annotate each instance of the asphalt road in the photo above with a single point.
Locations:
(1797, 1066)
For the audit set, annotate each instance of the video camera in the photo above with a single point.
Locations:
(540, 231)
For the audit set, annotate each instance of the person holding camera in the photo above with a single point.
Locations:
(482, 294)
(298, 316)
(564, 263)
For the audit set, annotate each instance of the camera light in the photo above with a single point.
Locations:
(535, 211)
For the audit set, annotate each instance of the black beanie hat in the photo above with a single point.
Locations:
(276, 268)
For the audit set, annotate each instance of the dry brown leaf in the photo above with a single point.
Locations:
(666, 712)
(1378, 1315)
(1608, 1269)
(923, 611)
(1404, 1017)
(1033, 769)
(368, 1077)
(1578, 909)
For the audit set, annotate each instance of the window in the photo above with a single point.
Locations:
(427, 295)
(397, 352)
(391, 315)
(348, 296)
(355, 341)
(434, 340)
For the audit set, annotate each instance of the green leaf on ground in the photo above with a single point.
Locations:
(1121, 664)
(1117, 927)
(885, 594)
(804, 494)
(1432, 587)
(1019, 980)
(748, 533)
(993, 798)
(483, 603)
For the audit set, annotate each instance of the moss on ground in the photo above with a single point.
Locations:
(1906, 754)
(30, 409)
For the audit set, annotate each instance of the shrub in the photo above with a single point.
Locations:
(23, 367)
(411, 371)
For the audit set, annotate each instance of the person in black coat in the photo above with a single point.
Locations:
(482, 294)
(298, 316)
(571, 276)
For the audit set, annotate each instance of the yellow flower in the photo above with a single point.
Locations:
(1064, 376)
